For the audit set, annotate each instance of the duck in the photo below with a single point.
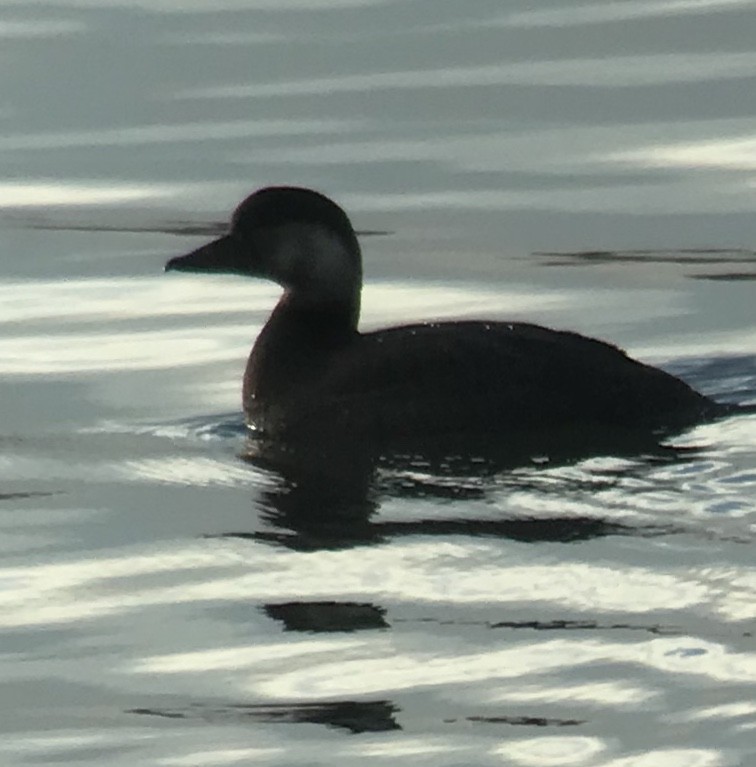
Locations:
(312, 374)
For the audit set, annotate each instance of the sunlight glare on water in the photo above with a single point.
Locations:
(46, 194)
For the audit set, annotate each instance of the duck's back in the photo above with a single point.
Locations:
(480, 377)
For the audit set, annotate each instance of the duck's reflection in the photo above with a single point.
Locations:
(351, 715)
(328, 498)
(328, 617)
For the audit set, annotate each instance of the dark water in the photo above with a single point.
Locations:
(165, 602)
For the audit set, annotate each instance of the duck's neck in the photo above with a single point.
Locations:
(295, 347)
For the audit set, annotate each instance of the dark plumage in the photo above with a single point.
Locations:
(311, 374)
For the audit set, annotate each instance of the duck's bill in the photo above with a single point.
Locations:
(217, 256)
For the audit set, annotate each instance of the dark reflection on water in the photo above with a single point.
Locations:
(328, 500)
(527, 721)
(326, 532)
(354, 716)
(682, 256)
(586, 625)
(692, 257)
(726, 277)
(179, 228)
(563, 530)
(327, 616)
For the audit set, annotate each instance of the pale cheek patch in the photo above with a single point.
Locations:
(331, 263)
(316, 260)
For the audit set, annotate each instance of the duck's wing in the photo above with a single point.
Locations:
(484, 376)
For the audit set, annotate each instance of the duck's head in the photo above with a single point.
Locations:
(293, 236)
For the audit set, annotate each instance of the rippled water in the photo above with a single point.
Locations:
(165, 601)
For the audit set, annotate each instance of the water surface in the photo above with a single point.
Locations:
(165, 601)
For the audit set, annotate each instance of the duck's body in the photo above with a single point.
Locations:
(451, 378)
(312, 374)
